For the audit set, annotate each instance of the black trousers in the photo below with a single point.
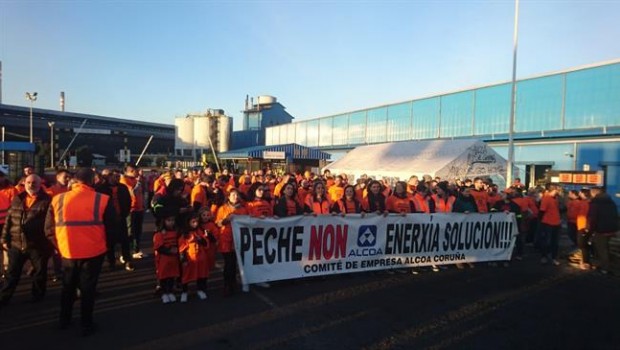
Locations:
(17, 258)
(119, 236)
(583, 240)
(230, 269)
(134, 225)
(82, 274)
(600, 241)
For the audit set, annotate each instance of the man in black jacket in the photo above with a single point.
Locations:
(23, 236)
(121, 200)
(603, 224)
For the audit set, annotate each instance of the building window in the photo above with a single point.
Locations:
(539, 104)
(426, 118)
(492, 113)
(593, 97)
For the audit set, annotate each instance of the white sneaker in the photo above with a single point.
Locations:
(184, 297)
(165, 298)
(173, 299)
(202, 295)
(121, 260)
(414, 272)
(137, 255)
(263, 285)
(435, 268)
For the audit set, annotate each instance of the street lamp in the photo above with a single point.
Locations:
(31, 97)
(51, 125)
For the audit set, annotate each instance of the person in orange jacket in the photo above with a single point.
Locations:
(422, 199)
(7, 192)
(257, 204)
(480, 195)
(225, 244)
(211, 231)
(550, 221)
(245, 182)
(305, 188)
(583, 236)
(336, 191)
(136, 216)
(443, 199)
(288, 204)
(198, 198)
(23, 237)
(78, 223)
(349, 204)
(318, 202)
(375, 198)
(572, 207)
(166, 250)
(399, 202)
(193, 251)
(62, 183)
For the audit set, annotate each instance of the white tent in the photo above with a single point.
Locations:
(448, 159)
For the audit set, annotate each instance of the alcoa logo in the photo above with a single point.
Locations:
(367, 236)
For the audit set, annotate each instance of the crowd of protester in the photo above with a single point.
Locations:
(193, 212)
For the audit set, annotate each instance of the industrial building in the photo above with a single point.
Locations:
(257, 116)
(198, 133)
(99, 137)
(566, 120)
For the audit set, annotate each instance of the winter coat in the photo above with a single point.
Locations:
(25, 228)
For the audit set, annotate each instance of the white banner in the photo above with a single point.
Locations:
(304, 246)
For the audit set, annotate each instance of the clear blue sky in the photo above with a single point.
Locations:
(154, 60)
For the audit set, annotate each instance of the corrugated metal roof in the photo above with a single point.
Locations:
(291, 151)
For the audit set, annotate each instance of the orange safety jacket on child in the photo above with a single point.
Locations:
(193, 248)
(166, 263)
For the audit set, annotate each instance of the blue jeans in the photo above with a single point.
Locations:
(548, 238)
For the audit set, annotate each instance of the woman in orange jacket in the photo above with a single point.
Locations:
(288, 203)
(225, 244)
(318, 202)
(375, 199)
(258, 205)
(349, 204)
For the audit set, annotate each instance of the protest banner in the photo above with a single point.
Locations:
(305, 246)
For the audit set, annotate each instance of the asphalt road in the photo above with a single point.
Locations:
(524, 306)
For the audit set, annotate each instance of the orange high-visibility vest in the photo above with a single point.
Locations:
(78, 217)
(422, 204)
(442, 205)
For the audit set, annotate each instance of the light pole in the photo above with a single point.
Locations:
(31, 97)
(513, 102)
(51, 125)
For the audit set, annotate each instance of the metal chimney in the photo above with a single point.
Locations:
(62, 101)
